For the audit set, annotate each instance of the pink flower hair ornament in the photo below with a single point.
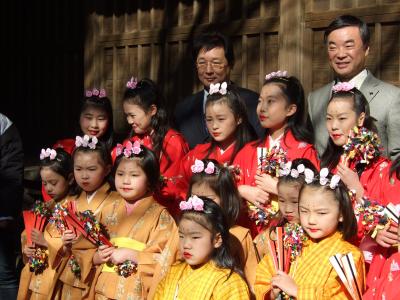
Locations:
(198, 167)
(129, 150)
(96, 93)
(277, 74)
(132, 83)
(218, 88)
(48, 153)
(86, 141)
(343, 87)
(192, 203)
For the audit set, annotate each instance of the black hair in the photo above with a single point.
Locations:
(213, 219)
(211, 40)
(348, 227)
(148, 161)
(244, 132)
(331, 156)
(104, 155)
(223, 184)
(61, 164)
(147, 94)
(347, 21)
(104, 104)
(395, 168)
(294, 94)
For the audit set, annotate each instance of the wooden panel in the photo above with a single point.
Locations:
(390, 53)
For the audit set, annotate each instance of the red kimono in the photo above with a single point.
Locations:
(247, 159)
(200, 152)
(389, 187)
(175, 146)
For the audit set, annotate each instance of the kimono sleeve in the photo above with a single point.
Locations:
(264, 273)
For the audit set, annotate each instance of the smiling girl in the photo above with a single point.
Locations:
(209, 270)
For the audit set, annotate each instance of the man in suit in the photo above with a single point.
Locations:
(347, 41)
(214, 59)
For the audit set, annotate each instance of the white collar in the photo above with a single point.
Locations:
(358, 80)
(90, 198)
(275, 142)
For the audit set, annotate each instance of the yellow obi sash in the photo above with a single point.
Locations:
(123, 242)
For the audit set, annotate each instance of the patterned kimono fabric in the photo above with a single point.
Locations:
(148, 225)
(314, 275)
(69, 285)
(203, 283)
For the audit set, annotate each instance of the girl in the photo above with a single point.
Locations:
(217, 183)
(347, 109)
(56, 175)
(326, 214)
(138, 225)
(281, 111)
(229, 128)
(209, 270)
(289, 186)
(95, 120)
(145, 112)
(91, 165)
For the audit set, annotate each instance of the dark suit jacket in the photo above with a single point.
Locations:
(190, 121)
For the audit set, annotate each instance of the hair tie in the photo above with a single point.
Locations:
(86, 141)
(96, 93)
(192, 203)
(132, 83)
(277, 74)
(218, 88)
(48, 153)
(129, 150)
(343, 87)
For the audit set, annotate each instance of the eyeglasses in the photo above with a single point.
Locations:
(216, 65)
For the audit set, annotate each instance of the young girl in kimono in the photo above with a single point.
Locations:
(91, 165)
(95, 120)
(56, 175)
(347, 109)
(281, 111)
(216, 182)
(229, 128)
(138, 227)
(144, 107)
(209, 269)
(289, 185)
(326, 215)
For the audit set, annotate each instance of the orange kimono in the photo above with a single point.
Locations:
(314, 275)
(148, 228)
(69, 286)
(207, 282)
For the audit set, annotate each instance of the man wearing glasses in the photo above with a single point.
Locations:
(214, 60)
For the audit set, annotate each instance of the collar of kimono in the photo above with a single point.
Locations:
(337, 235)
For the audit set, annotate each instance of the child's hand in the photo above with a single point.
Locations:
(103, 254)
(350, 179)
(68, 237)
(387, 237)
(274, 293)
(38, 238)
(267, 183)
(29, 250)
(285, 283)
(122, 254)
(254, 194)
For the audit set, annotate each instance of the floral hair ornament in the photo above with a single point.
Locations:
(276, 74)
(343, 87)
(218, 88)
(308, 176)
(86, 141)
(193, 203)
(95, 92)
(132, 83)
(198, 166)
(323, 178)
(130, 149)
(48, 153)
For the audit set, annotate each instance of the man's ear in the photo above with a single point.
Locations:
(217, 240)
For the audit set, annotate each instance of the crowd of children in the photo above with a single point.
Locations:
(235, 218)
